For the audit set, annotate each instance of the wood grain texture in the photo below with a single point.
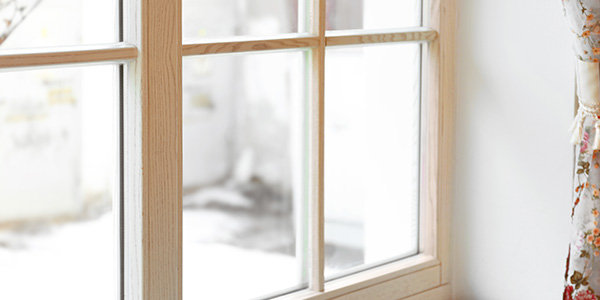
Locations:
(443, 292)
(316, 214)
(133, 270)
(430, 196)
(428, 218)
(216, 47)
(132, 181)
(398, 288)
(153, 151)
(442, 63)
(357, 37)
(337, 38)
(372, 278)
(67, 55)
(161, 58)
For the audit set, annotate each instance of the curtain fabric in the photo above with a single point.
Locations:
(583, 18)
(582, 276)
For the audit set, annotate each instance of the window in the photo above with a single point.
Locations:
(372, 114)
(228, 149)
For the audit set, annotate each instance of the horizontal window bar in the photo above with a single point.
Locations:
(358, 37)
(250, 45)
(292, 41)
(16, 58)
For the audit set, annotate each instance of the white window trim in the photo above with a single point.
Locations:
(152, 54)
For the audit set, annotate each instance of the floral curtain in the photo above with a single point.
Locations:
(582, 276)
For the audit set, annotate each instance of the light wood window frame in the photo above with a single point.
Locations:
(152, 53)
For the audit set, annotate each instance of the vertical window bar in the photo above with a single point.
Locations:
(121, 198)
(132, 158)
(152, 150)
(316, 149)
(121, 182)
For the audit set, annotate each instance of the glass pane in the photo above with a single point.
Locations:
(371, 155)
(243, 175)
(57, 165)
(43, 23)
(227, 18)
(372, 14)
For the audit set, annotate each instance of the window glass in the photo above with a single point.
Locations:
(43, 23)
(371, 155)
(372, 14)
(58, 159)
(227, 18)
(244, 175)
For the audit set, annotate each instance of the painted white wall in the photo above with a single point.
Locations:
(514, 160)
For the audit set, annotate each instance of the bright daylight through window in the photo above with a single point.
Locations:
(58, 156)
(246, 149)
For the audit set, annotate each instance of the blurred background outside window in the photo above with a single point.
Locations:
(245, 151)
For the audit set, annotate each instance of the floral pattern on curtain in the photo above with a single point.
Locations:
(583, 17)
(583, 263)
(582, 276)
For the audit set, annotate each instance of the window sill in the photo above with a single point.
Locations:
(395, 280)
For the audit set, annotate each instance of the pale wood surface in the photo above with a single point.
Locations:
(316, 240)
(133, 273)
(372, 278)
(440, 293)
(132, 181)
(357, 37)
(66, 55)
(399, 287)
(443, 19)
(429, 152)
(232, 46)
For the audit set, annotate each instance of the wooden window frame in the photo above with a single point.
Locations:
(152, 53)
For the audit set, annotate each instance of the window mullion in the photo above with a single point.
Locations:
(316, 150)
(152, 138)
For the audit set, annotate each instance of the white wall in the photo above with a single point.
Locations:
(514, 160)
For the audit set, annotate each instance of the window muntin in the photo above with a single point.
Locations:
(58, 164)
